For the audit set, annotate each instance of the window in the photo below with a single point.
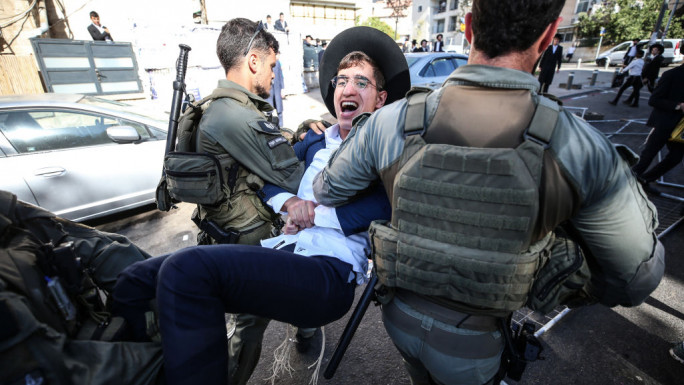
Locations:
(454, 5)
(439, 28)
(420, 8)
(439, 67)
(457, 62)
(452, 23)
(44, 130)
(583, 6)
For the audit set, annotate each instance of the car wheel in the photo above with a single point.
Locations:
(600, 62)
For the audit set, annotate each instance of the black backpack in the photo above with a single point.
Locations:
(55, 280)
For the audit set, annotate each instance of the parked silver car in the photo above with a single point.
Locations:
(615, 55)
(430, 69)
(79, 156)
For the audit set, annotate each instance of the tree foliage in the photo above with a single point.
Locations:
(377, 24)
(628, 20)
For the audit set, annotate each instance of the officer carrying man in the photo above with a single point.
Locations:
(307, 279)
(483, 174)
(240, 130)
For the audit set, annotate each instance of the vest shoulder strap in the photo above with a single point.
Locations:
(543, 122)
(415, 112)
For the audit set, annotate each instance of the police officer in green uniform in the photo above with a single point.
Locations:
(239, 129)
(481, 174)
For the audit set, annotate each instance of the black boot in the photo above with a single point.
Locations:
(613, 102)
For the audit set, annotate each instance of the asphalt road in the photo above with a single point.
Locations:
(592, 345)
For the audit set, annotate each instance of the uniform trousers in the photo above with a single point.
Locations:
(196, 286)
(436, 350)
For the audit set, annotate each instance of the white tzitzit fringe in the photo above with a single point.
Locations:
(314, 376)
(282, 354)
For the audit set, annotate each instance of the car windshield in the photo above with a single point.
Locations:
(162, 118)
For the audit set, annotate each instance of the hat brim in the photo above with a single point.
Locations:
(379, 47)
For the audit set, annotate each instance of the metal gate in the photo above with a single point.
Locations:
(87, 67)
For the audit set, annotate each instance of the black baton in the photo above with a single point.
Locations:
(350, 329)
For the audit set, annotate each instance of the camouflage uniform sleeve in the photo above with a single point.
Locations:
(615, 223)
(373, 145)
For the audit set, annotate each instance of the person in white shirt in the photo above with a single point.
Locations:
(634, 69)
(269, 24)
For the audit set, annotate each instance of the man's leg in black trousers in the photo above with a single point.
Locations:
(672, 159)
(655, 141)
(196, 286)
(135, 289)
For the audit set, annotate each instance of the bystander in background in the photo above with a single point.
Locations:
(97, 31)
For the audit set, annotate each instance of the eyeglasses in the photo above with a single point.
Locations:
(260, 27)
(360, 82)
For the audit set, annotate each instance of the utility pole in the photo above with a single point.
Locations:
(398, 10)
(654, 35)
(669, 20)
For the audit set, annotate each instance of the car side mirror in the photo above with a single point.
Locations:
(123, 134)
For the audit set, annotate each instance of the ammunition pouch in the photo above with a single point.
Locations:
(197, 177)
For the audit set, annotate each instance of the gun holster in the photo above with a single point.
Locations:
(214, 230)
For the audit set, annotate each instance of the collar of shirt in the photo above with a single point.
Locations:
(99, 28)
(480, 75)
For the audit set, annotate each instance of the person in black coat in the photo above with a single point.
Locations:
(98, 31)
(551, 58)
(667, 101)
(439, 44)
(652, 67)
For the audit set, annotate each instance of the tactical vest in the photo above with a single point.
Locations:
(463, 218)
(55, 328)
(224, 190)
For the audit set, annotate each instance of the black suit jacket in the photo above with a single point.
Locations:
(550, 60)
(97, 35)
(652, 68)
(280, 26)
(439, 46)
(665, 98)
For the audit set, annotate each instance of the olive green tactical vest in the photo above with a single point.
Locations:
(224, 190)
(463, 218)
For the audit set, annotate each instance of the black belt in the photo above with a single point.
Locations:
(448, 316)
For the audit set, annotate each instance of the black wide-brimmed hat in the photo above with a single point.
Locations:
(374, 43)
(659, 46)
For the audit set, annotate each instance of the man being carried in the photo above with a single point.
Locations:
(310, 287)
(480, 172)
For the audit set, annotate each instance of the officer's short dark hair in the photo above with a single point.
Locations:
(640, 53)
(500, 27)
(234, 39)
(354, 58)
(94, 14)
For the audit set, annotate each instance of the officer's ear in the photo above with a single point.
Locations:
(469, 27)
(253, 61)
(547, 37)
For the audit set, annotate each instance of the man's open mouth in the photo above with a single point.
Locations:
(349, 106)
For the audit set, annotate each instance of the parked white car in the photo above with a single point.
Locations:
(670, 55)
(79, 156)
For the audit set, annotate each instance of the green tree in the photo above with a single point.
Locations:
(377, 24)
(633, 19)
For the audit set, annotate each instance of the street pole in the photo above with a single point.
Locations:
(667, 27)
(396, 25)
(598, 49)
(663, 8)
